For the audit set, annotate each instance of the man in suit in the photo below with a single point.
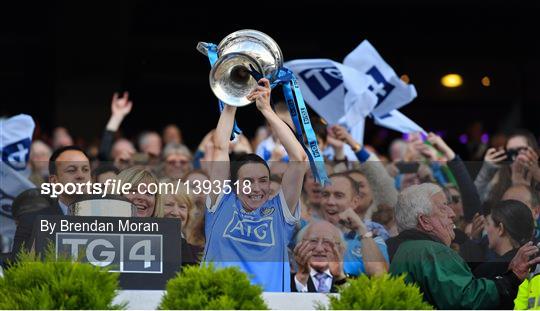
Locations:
(69, 165)
(66, 165)
(319, 255)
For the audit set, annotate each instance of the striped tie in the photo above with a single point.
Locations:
(322, 277)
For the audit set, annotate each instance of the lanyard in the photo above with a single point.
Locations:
(300, 117)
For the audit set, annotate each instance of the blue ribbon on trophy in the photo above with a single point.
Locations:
(250, 53)
(211, 50)
(300, 117)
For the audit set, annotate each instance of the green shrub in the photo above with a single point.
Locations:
(209, 288)
(53, 283)
(376, 293)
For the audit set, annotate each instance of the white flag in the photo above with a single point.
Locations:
(397, 121)
(363, 85)
(391, 92)
(15, 140)
(336, 92)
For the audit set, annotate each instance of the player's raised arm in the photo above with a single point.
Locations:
(294, 175)
(220, 156)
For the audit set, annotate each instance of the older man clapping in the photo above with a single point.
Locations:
(319, 255)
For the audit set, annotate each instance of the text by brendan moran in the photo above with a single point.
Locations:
(121, 225)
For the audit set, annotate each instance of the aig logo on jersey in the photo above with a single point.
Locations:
(255, 232)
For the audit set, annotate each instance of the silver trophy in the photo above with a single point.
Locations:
(230, 77)
(96, 205)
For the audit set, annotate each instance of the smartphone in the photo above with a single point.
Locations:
(511, 154)
(407, 167)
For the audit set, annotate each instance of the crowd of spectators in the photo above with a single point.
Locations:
(467, 239)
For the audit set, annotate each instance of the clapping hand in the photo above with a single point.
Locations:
(302, 253)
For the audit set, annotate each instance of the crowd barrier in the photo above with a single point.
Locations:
(149, 300)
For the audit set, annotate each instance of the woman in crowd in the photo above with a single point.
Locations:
(509, 226)
(147, 204)
(197, 178)
(516, 164)
(176, 161)
(180, 205)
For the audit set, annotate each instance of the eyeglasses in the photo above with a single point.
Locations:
(326, 243)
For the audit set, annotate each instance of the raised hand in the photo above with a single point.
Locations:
(120, 108)
(334, 141)
(336, 144)
(342, 134)
(426, 150)
(438, 143)
(261, 95)
(528, 158)
(521, 263)
(477, 226)
(495, 156)
(352, 221)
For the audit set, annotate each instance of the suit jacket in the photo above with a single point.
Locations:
(311, 285)
(191, 254)
(24, 234)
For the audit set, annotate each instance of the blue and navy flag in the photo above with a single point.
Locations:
(15, 140)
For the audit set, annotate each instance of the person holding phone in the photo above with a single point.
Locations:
(516, 164)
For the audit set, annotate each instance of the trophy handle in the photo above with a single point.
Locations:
(203, 48)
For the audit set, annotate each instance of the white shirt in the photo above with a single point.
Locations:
(267, 146)
(63, 207)
(301, 288)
